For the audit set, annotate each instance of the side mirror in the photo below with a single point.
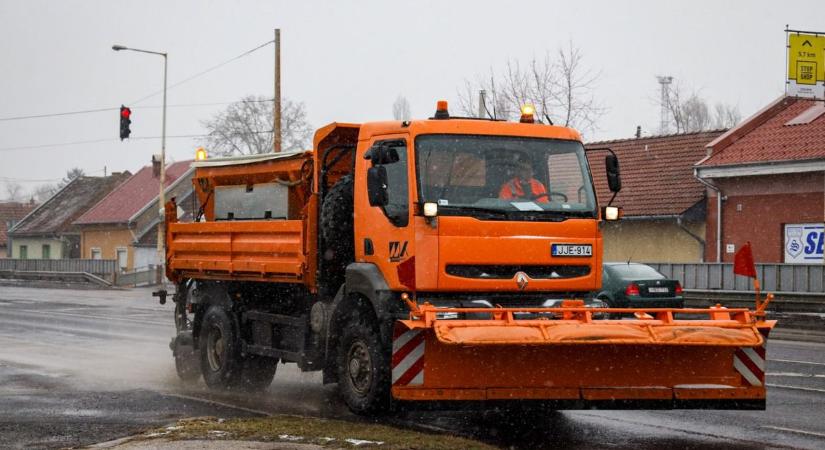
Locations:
(382, 154)
(377, 186)
(614, 180)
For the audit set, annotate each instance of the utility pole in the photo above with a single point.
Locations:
(276, 104)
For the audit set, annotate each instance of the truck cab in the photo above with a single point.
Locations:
(492, 211)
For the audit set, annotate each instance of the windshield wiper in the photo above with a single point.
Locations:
(483, 212)
(487, 213)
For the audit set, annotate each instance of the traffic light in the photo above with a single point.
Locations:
(125, 121)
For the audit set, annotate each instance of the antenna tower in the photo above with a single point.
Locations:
(664, 119)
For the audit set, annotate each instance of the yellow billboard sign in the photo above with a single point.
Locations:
(806, 64)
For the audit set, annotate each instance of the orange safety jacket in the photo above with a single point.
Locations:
(513, 190)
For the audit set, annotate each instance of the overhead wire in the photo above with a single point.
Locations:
(173, 85)
(97, 141)
(89, 111)
(204, 72)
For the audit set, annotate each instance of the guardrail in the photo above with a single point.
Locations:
(101, 267)
(799, 278)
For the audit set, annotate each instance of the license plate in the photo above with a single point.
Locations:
(658, 290)
(571, 250)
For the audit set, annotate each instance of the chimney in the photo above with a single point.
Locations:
(156, 166)
(638, 131)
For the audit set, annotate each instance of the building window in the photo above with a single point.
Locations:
(24, 252)
(47, 252)
(121, 258)
(95, 253)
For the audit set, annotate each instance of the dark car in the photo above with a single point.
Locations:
(634, 285)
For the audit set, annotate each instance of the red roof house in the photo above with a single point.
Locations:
(112, 228)
(765, 180)
(10, 213)
(663, 204)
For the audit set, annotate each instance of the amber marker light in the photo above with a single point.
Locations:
(441, 110)
(527, 112)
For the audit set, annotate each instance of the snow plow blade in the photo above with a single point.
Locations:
(564, 357)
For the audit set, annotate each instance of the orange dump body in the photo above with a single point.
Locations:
(577, 362)
(249, 250)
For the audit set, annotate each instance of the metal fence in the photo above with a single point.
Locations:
(100, 267)
(141, 277)
(802, 278)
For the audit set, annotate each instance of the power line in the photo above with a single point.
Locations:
(89, 111)
(204, 72)
(67, 113)
(190, 78)
(97, 141)
(43, 180)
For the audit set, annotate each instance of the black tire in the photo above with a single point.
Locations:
(257, 373)
(220, 349)
(363, 368)
(610, 316)
(338, 248)
(187, 364)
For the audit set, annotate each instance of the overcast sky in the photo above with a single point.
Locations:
(349, 60)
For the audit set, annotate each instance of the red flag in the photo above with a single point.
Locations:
(743, 262)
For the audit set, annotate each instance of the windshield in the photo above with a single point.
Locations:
(509, 176)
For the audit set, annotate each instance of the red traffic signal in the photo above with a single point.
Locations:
(125, 121)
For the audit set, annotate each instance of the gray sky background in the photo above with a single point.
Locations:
(349, 60)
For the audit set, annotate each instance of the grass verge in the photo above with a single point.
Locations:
(310, 430)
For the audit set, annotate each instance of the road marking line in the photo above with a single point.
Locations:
(792, 430)
(796, 362)
(672, 428)
(798, 388)
(797, 375)
(215, 402)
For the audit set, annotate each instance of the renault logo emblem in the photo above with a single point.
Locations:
(521, 280)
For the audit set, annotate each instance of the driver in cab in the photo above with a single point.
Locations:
(523, 186)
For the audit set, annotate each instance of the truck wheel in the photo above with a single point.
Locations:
(363, 369)
(220, 350)
(257, 373)
(186, 362)
(337, 231)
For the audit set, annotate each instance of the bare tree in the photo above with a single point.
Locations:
(71, 174)
(14, 192)
(401, 108)
(44, 192)
(690, 112)
(559, 85)
(245, 127)
(725, 116)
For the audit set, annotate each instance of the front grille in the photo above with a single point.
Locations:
(505, 272)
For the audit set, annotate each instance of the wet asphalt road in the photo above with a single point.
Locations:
(78, 367)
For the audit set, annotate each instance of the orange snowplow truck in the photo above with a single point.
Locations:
(438, 262)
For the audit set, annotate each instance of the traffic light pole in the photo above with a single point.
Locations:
(162, 194)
